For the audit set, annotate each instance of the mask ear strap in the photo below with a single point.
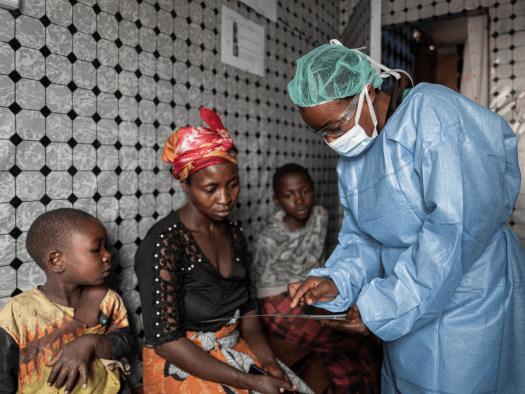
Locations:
(372, 114)
(371, 109)
(395, 72)
(360, 105)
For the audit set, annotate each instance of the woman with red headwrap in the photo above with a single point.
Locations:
(192, 267)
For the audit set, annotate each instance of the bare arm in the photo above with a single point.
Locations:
(253, 335)
(191, 359)
(195, 361)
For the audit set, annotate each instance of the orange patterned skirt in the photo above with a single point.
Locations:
(161, 377)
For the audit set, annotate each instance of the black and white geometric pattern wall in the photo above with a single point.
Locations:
(507, 57)
(90, 90)
(357, 31)
(507, 33)
(347, 9)
(397, 52)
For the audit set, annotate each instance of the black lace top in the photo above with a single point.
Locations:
(180, 288)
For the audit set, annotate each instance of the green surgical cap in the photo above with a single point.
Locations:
(330, 72)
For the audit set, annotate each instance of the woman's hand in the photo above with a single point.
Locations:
(353, 322)
(253, 335)
(71, 362)
(268, 384)
(275, 370)
(313, 289)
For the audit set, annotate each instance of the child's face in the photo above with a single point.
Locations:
(295, 196)
(88, 261)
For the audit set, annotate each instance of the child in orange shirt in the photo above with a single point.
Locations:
(70, 331)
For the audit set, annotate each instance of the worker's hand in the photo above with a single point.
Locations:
(353, 322)
(313, 289)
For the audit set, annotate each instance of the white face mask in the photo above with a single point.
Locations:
(355, 140)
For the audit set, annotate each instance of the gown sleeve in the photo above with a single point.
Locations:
(159, 266)
(470, 177)
(323, 223)
(355, 261)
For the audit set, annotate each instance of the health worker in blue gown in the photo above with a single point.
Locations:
(425, 261)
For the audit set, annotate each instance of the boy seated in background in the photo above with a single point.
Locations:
(71, 330)
(287, 249)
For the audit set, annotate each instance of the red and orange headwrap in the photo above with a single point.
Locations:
(190, 149)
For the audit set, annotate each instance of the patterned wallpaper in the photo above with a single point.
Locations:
(356, 33)
(507, 57)
(396, 52)
(347, 9)
(89, 92)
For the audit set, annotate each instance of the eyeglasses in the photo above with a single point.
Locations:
(338, 127)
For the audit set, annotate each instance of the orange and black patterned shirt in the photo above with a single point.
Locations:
(33, 329)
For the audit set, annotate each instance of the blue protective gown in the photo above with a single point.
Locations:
(425, 251)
